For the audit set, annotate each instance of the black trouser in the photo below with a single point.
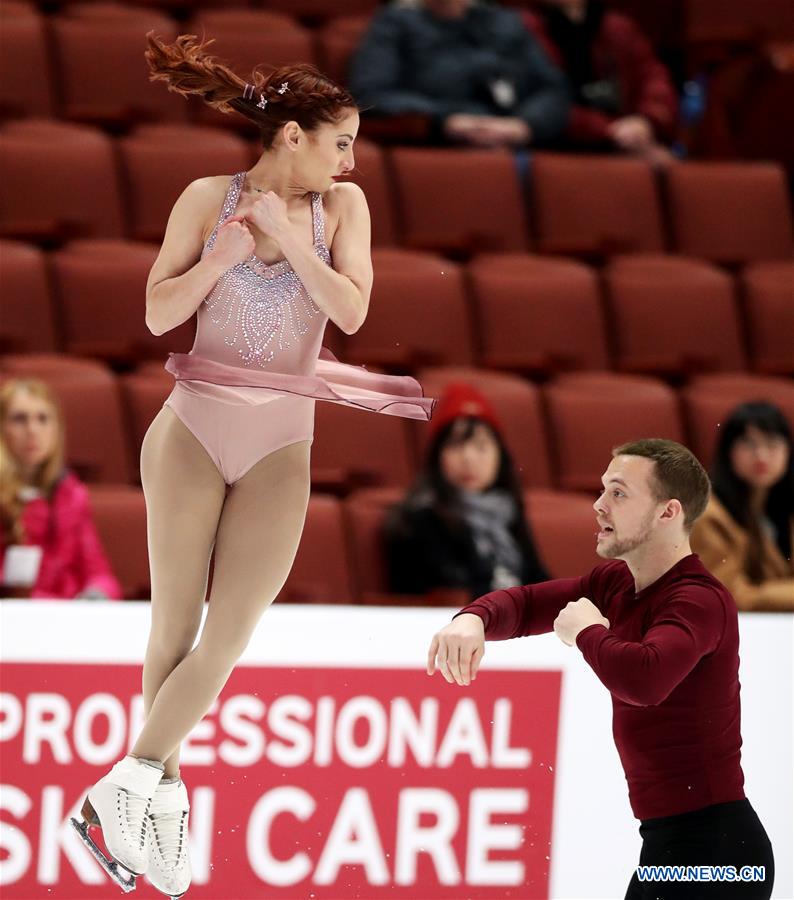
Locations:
(726, 834)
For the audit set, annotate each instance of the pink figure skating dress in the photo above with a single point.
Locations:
(248, 386)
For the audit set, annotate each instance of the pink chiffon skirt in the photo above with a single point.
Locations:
(334, 381)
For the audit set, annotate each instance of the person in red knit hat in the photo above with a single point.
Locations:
(49, 546)
(462, 528)
(661, 633)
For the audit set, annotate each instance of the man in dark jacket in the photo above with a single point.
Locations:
(473, 70)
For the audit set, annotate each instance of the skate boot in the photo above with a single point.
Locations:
(119, 805)
(169, 854)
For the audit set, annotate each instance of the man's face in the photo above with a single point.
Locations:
(627, 508)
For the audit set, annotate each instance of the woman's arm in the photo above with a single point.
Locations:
(341, 292)
(180, 280)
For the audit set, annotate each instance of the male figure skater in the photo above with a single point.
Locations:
(662, 635)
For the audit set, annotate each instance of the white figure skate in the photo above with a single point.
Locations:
(169, 854)
(119, 804)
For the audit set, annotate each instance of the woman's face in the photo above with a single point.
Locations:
(759, 458)
(471, 464)
(30, 429)
(328, 153)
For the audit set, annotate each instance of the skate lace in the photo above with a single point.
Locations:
(135, 812)
(169, 833)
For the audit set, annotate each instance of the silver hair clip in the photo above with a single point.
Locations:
(262, 101)
(248, 92)
(283, 88)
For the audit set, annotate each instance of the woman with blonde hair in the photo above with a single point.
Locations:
(264, 259)
(50, 547)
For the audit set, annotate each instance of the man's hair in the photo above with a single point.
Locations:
(677, 475)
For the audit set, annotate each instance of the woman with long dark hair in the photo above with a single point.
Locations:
(462, 526)
(745, 536)
(264, 258)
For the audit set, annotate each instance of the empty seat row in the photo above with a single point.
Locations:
(65, 181)
(95, 69)
(534, 315)
(560, 435)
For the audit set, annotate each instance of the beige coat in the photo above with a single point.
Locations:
(722, 545)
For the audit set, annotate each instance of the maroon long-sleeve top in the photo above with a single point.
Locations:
(670, 660)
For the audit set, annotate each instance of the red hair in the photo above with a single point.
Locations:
(310, 99)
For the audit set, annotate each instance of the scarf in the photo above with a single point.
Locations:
(489, 515)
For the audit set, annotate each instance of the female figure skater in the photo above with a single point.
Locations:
(265, 258)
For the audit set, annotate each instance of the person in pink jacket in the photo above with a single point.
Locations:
(49, 546)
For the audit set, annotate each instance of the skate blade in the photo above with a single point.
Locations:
(113, 869)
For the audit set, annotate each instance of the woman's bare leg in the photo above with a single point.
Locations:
(184, 497)
(257, 539)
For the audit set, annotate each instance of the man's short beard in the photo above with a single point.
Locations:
(618, 549)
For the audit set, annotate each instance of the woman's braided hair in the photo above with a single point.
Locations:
(310, 98)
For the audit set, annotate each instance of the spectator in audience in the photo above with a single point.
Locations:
(623, 96)
(462, 526)
(49, 546)
(472, 69)
(746, 534)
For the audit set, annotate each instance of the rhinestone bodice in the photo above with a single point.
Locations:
(260, 315)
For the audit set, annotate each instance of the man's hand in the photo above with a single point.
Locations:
(632, 133)
(575, 617)
(488, 131)
(459, 647)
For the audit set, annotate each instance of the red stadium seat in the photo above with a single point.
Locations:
(371, 176)
(709, 400)
(159, 161)
(673, 316)
(101, 287)
(338, 41)
(321, 9)
(418, 314)
(365, 512)
(595, 205)
(119, 513)
(25, 71)
(320, 573)
(143, 393)
(736, 21)
(59, 181)
(96, 434)
(564, 528)
(50, 366)
(482, 208)
(27, 324)
(102, 74)
(730, 212)
(516, 402)
(356, 448)
(769, 298)
(538, 315)
(590, 413)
